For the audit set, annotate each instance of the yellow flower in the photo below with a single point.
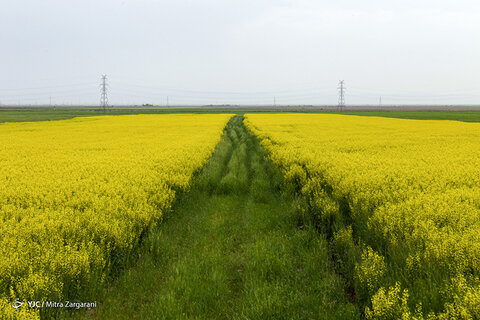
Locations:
(75, 195)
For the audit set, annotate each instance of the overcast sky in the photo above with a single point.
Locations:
(240, 51)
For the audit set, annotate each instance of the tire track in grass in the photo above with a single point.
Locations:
(231, 249)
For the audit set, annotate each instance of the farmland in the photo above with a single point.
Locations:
(255, 216)
(22, 114)
(231, 249)
(77, 195)
(399, 201)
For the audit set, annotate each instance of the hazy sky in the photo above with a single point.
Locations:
(240, 51)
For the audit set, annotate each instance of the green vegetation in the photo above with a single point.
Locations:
(468, 116)
(48, 113)
(233, 247)
(43, 114)
(393, 197)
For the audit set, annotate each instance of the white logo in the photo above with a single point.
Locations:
(17, 304)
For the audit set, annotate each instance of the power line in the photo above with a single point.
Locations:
(201, 92)
(208, 95)
(45, 97)
(85, 84)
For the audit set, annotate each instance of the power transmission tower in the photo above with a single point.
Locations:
(104, 97)
(341, 96)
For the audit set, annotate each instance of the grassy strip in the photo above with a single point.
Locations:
(61, 113)
(467, 116)
(231, 249)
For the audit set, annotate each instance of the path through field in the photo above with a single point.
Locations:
(231, 248)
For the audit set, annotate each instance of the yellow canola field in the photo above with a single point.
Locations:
(76, 196)
(400, 201)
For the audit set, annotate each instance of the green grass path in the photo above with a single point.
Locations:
(231, 249)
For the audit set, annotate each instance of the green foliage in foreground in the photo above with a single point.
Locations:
(231, 248)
